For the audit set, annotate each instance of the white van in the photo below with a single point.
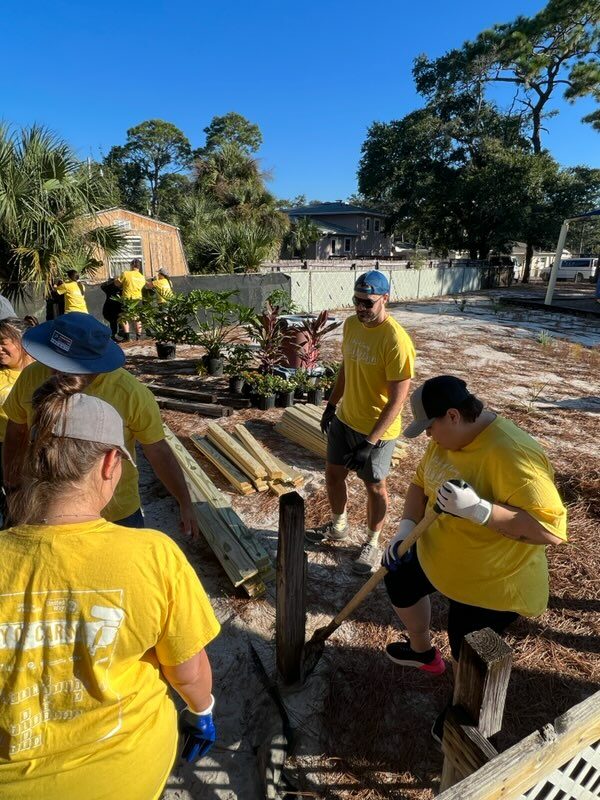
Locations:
(573, 269)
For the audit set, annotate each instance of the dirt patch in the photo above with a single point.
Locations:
(362, 724)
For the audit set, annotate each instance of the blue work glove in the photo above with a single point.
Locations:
(198, 731)
(390, 558)
(327, 417)
(359, 455)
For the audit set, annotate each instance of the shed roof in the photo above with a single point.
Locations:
(122, 210)
(323, 209)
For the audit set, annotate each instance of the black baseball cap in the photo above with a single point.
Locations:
(432, 399)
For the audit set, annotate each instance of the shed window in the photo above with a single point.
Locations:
(376, 225)
(368, 224)
(347, 244)
(120, 262)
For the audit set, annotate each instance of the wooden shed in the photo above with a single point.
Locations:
(157, 244)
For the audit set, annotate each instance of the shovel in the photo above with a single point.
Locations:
(313, 649)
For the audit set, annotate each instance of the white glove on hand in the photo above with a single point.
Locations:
(463, 502)
(391, 551)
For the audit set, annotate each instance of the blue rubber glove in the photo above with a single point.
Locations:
(359, 455)
(390, 554)
(198, 731)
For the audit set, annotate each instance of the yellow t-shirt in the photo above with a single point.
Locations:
(89, 611)
(471, 563)
(163, 288)
(8, 379)
(134, 402)
(132, 282)
(372, 357)
(74, 299)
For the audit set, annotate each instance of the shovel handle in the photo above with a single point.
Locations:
(377, 577)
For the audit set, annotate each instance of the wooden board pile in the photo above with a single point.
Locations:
(241, 555)
(301, 424)
(191, 401)
(243, 460)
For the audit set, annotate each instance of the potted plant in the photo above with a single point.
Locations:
(169, 322)
(218, 322)
(328, 380)
(266, 332)
(284, 397)
(302, 381)
(314, 330)
(238, 358)
(265, 389)
(315, 393)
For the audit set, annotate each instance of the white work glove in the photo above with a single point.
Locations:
(463, 501)
(390, 554)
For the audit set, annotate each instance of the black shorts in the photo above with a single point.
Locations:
(408, 584)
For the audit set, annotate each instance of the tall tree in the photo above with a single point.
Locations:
(231, 128)
(554, 52)
(153, 149)
(48, 201)
(129, 179)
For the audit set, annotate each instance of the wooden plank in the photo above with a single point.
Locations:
(296, 477)
(470, 749)
(258, 451)
(235, 477)
(182, 394)
(279, 488)
(290, 619)
(510, 774)
(205, 409)
(480, 689)
(234, 450)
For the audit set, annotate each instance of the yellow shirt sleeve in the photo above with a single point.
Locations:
(14, 406)
(144, 418)
(400, 359)
(190, 623)
(540, 499)
(62, 289)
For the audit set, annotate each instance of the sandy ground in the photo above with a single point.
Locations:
(360, 723)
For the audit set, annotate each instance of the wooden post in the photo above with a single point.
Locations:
(480, 691)
(291, 588)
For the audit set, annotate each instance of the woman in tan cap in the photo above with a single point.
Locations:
(95, 617)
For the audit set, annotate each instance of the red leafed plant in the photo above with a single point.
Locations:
(314, 330)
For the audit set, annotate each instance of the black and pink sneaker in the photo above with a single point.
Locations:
(430, 661)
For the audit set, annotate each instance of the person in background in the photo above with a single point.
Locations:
(487, 551)
(97, 619)
(6, 308)
(162, 286)
(113, 307)
(79, 345)
(132, 282)
(73, 290)
(13, 359)
(372, 385)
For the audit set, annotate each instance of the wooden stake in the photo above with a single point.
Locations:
(291, 588)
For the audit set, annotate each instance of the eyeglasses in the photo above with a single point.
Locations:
(361, 301)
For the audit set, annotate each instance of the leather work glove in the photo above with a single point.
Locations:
(359, 455)
(198, 731)
(390, 554)
(463, 501)
(327, 417)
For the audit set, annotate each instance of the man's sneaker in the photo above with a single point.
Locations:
(323, 532)
(368, 560)
(430, 661)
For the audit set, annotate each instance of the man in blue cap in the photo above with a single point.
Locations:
(79, 345)
(362, 417)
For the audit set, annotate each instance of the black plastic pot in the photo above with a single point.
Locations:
(266, 401)
(315, 396)
(255, 399)
(236, 384)
(165, 350)
(284, 399)
(298, 393)
(214, 367)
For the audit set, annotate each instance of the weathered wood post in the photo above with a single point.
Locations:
(291, 588)
(478, 705)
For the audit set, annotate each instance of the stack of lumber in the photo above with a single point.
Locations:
(241, 555)
(245, 462)
(301, 424)
(189, 401)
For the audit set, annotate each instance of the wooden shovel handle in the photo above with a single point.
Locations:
(378, 576)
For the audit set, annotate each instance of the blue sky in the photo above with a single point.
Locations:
(313, 75)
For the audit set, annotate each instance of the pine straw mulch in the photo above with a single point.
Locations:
(377, 717)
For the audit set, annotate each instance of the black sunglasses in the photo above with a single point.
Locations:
(360, 301)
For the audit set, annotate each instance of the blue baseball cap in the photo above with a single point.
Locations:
(75, 343)
(373, 282)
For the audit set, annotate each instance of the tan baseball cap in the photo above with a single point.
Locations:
(93, 420)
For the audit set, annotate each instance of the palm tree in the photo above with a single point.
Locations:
(48, 201)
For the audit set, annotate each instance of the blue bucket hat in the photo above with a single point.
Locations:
(373, 282)
(74, 343)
